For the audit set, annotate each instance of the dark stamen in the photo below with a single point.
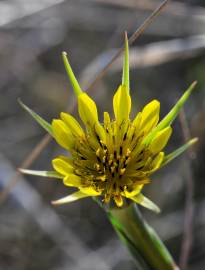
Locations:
(113, 137)
(115, 154)
(98, 138)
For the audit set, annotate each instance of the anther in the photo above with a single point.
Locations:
(103, 159)
(101, 177)
(125, 136)
(113, 137)
(112, 169)
(115, 154)
(122, 171)
(97, 166)
(98, 152)
(121, 188)
(110, 162)
(98, 138)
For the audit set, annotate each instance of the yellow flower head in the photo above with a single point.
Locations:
(113, 159)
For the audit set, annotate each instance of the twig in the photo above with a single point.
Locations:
(134, 36)
(25, 164)
(152, 54)
(189, 204)
(51, 224)
(44, 142)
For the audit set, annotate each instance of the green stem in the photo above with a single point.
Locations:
(142, 241)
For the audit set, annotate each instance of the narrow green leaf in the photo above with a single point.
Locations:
(178, 151)
(38, 118)
(51, 174)
(171, 116)
(76, 87)
(125, 74)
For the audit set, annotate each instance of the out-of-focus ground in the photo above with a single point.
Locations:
(170, 55)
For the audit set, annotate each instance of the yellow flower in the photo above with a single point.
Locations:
(113, 159)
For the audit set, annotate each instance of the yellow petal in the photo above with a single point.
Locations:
(72, 124)
(136, 122)
(90, 191)
(156, 163)
(106, 120)
(62, 134)
(136, 190)
(122, 104)
(142, 200)
(160, 140)
(70, 198)
(100, 131)
(72, 180)
(87, 110)
(150, 116)
(62, 165)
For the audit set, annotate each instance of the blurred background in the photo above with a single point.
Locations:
(164, 61)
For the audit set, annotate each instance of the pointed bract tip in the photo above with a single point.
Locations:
(125, 35)
(76, 87)
(21, 103)
(194, 140)
(158, 210)
(64, 53)
(55, 202)
(125, 74)
(194, 84)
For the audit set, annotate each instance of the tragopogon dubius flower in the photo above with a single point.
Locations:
(114, 159)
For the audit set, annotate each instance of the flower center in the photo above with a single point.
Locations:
(114, 164)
